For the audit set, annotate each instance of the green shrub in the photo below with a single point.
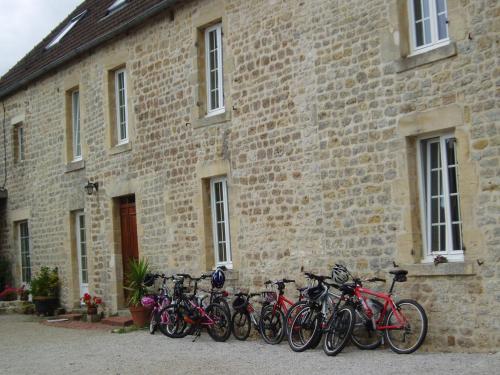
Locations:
(45, 283)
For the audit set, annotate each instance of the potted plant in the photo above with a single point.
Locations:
(92, 304)
(44, 288)
(138, 269)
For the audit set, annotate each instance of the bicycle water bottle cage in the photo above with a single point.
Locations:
(399, 275)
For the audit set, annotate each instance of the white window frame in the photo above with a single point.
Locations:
(21, 144)
(66, 29)
(28, 267)
(84, 286)
(76, 125)
(434, 43)
(425, 207)
(228, 262)
(211, 110)
(121, 138)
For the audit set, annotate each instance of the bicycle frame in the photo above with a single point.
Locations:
(360, 293)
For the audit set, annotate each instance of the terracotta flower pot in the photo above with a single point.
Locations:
(140, 315)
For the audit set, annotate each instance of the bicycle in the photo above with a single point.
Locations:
(312, 321)
(399, 321)
(188, 309)
(157, 302)
(272, 323)
(245, 316)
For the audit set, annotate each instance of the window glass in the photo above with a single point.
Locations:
(441, 196)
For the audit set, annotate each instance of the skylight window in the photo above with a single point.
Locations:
(117, 4)
(66, 29)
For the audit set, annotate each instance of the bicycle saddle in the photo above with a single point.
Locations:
(399, 272)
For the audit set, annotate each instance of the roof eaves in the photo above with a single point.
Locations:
(89, 45)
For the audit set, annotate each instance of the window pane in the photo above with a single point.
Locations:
(85, 277)
(455, 208)
(419, 34)
(442, 237)
(440, 6)
(442, 26)
(222, 252)
(435, 155)
(457, 237)
(450, 151)
(435, 210)
(452, 180)
(427, 29)
(436, 184)
(425, 5)
(212, 38)
(417, 9)
(435, 238)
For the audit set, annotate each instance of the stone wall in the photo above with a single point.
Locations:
(316, 143)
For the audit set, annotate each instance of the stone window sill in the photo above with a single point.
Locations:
(411, 62)
(75, 166)
(231, 275)
(466, 268)
(118, 149)
(212, 120)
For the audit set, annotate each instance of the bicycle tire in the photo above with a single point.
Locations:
(303, 329)
(241, 325)
(292, 311)
(176, 326)
(222, 301)
(272, 325)
(390, 335)
(221, 329)
(339, 328)
(153, 322)
(364, 336)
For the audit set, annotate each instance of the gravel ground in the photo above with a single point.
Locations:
(28, 347)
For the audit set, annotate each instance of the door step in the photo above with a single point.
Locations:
(118, 321)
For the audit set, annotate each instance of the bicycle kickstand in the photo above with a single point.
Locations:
(197, 334)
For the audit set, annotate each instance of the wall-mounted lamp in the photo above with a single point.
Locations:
(89, 188)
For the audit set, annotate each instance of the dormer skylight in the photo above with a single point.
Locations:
(66, 29)
(116, 5)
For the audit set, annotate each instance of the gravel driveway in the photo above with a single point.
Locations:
(27, 347)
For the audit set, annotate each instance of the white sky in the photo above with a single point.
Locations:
(24, 23)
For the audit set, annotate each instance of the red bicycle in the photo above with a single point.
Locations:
(403, 323)
(272, 323)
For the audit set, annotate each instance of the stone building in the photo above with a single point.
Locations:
(272, 136)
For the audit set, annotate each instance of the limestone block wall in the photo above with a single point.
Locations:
(318, 144)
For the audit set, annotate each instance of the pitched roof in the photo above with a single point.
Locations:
(93, 29)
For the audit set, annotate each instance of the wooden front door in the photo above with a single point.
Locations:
(128, 234)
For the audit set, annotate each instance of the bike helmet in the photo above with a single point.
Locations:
(239, 303)
(340, 275)
(218, 278)
(147, 301)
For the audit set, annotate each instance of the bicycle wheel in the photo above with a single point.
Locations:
(292, 312)
(172, 323)
(153, 322)
(221, 329)
(272, 324)
(339, 331)
(222, 301)
(241, 325)
(304, 328)
(409, 338)
(364, 336)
